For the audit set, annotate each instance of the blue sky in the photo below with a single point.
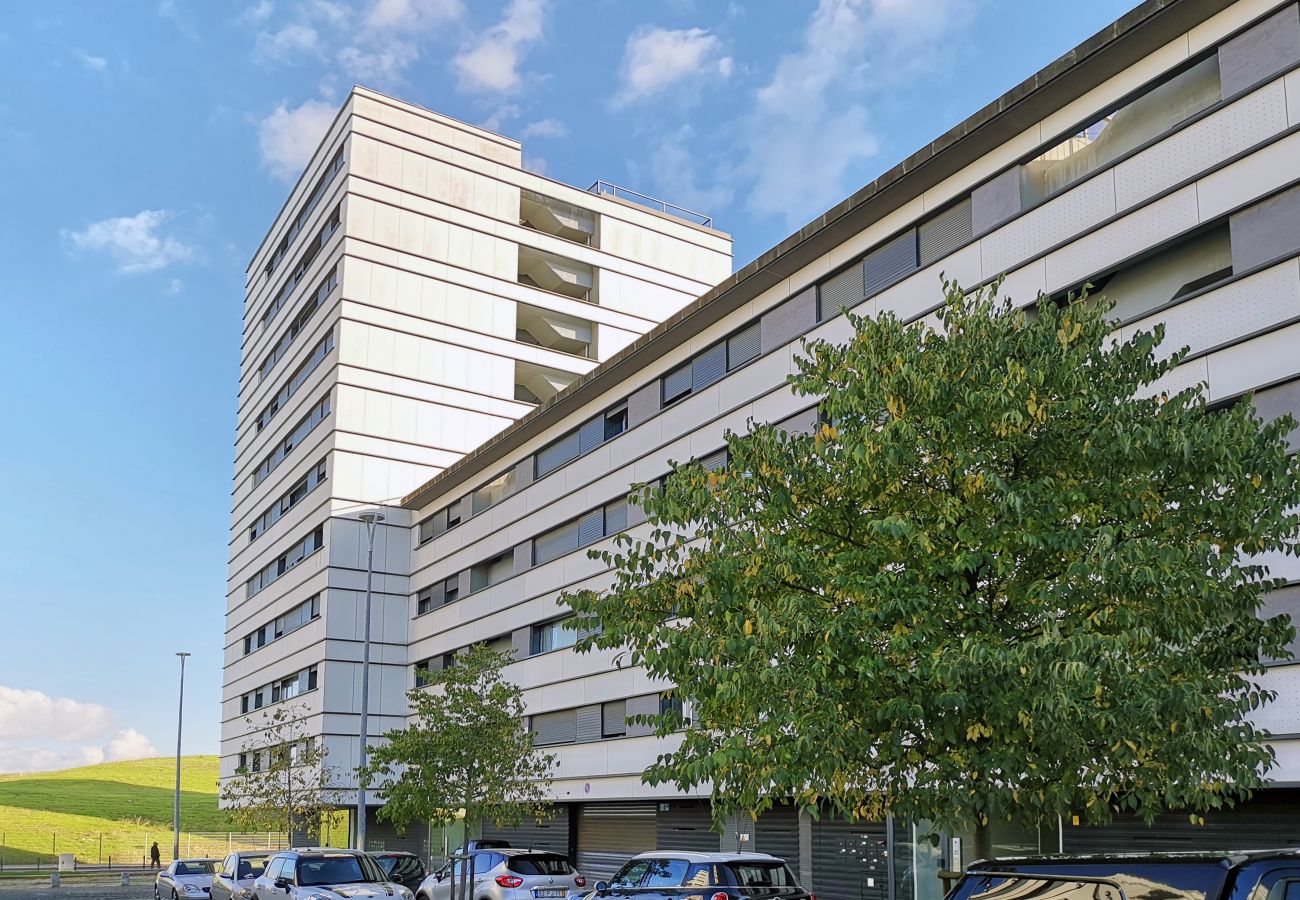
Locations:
(146, 148)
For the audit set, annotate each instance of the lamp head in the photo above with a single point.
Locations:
(371, 518)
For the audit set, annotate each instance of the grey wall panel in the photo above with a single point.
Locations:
(463, 586)
(522, 641)
(803, 422)
(524, 473)
(1277, 400)
(643, 404)
(1270, 47)
(995, 201)
(786, 321)
(1266, 230)
(1284, 601)
(635, 515)
(686, 825)
(523, 556)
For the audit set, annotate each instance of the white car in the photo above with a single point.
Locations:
(321, 874)
(509, 874)
(235, 877)
(185, 878)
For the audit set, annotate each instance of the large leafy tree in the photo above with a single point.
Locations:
(1007, 579)
(285, 784)
(466, 752)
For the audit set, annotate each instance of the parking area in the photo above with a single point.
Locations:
(141, 889)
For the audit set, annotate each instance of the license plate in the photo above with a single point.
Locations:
(548, 892)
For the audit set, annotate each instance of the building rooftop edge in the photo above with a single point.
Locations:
(1133, 35)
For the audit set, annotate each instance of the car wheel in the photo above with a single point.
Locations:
(156, 895)
(175, 896)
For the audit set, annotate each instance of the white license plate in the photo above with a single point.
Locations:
(548, 892)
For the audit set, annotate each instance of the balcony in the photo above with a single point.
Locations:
(537, 384)
(554, 331)
(555, 217)
(540, 269)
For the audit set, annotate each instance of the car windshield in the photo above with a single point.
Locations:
(341, 869)
(761, 874)
(539, 864)
(251, 867)
(201, 867)
(401, 866)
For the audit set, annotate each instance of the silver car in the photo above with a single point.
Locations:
(322, 874)
(185, 878)
(509, 874)
(234, 879)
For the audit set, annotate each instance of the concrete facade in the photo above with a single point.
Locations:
(1158, 160)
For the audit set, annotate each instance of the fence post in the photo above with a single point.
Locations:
(230, 843)
(101, 848)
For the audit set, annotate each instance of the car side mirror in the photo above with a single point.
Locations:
(602, 887)
(282, 883)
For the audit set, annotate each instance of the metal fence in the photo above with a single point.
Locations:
(128, 847)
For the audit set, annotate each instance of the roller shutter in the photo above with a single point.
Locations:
(1270, 819)
(611, 833)
(557, 454)
(549, 834)
(777, 832)
(850, 860)
(890, 262)
(842, 291)
(687, 825)
(945, 232)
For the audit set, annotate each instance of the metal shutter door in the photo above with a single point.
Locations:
(611, 833)
(709, 366)
(885, 265)
(549, 834)
(743, 346)
(777, 832)
(850, 861)
(557, 454)
(841, 291)
(945, 232)
(686, 825)
(1270, 819)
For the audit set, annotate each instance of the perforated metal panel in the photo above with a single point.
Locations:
(945, 232)
(1072, 212)
(743, 346)
(839, 292)
(557, 454)
(890, 262)
(709, 366)
(1201, 145)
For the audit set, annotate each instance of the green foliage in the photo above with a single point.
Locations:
(1006, 583)
(466, 750)
(292, 787)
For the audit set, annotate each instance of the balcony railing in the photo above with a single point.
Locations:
(663, 206)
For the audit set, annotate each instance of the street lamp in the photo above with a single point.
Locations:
(371, 519)
(176, 799)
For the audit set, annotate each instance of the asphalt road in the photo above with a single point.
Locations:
(141, 889)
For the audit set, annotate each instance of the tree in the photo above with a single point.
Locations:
(283, 782)
(1005, 580)
(466, 752)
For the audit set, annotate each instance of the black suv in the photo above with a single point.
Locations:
(404, 868)
(1257, 875)
(677, 875)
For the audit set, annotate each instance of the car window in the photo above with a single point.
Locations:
(761, 874)
(402, 866)
(701, 875)
(341, 869)
(539, 864)
(202, 867)
(251, 866)
(666, 873)
(485, 862)
(276, 867)
(631, 874)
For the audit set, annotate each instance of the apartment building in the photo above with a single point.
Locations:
(418, 292)
(1158, 161)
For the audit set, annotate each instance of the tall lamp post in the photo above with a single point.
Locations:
(371, 519)
(176, 799)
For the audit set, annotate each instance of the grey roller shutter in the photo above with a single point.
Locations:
(715, 460)
(555, 727)
(1268, 819)
(304, 679)
(548, 833)
(591, 435)
(850, 860)
(615, 517)
(554, 544)
(890, 262)
(686, 825)
(842, 291)
(557, 454)
(587, 723)
(777, 832)
(591, 527)
(709, 366)
(676, 383)
(743, 346)
(945, 232)
(613, 718)
(609, 834)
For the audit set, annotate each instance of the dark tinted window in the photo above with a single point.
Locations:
(539, 864)
(631, 874)
(1172, 881)
(251, 866)
(400, 867)
(342, 869)
(701, 876)
(195, 868)
(761, 874)
(667, 873)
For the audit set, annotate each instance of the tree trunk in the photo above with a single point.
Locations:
(983, 841)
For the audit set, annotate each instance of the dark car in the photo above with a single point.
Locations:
(676, 875)
(1246, 875)
(404, 868)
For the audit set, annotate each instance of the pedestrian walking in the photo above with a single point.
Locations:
(155, 856)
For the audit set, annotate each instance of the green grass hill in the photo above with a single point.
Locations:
(124, 805)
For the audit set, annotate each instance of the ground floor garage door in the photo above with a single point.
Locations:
(610, 833)
(686, 825)
(850, 860)
(549, 833)
(1269, 819)
(777, 832)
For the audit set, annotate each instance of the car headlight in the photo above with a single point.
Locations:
(405, 893)
(193, 889)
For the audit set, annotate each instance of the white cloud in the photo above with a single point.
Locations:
(288, 44)
(128, 744)
(93, 63)
(657, 58)
(544, 128)
(490, 63)
(134, 242)
(288, 137)
(411, 15)
(673, 166)
(381, 65)
(257, 13)
(29, 713)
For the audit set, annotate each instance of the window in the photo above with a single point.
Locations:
(444, 519)
(586, 529)
(313, 303)
(583, 439)
(288, 500)
(554, 635)
(709, 365)
(293, 439)
(1170, 274)
(295, 381)
(761, 874)
(492, 571)
(613, 719)
(284, 689)
(666, 873)
(631, 874)
(559, 727)
(438, 594)
(1142, 119)
(539, 864)
(299, 271)
(494, 492)
(286, 561)
(668, 702)
(288, 623)
(282, 250)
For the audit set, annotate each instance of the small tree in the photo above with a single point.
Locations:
(466, 752)
(1003, 582)
(284, 783)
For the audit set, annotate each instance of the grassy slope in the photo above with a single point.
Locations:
(129, 803)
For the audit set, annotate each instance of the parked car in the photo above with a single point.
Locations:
(184, 878)
(321, 874)
(234, 878)
(509, 874)
(471, 847)
(1234, 875)
(675, 875)
(406, 869)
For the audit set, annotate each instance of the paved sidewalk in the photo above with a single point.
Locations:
(140, 889)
